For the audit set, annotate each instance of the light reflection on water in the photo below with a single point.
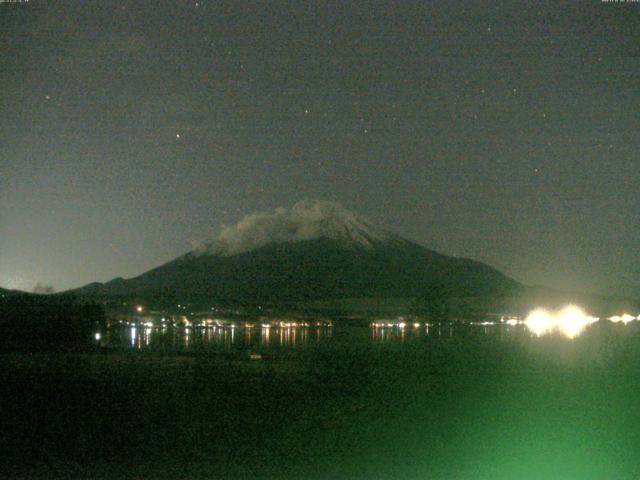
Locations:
(263, 337)
(225, 338)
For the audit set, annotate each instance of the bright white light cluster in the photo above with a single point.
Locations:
(624, 318)
(570, 321)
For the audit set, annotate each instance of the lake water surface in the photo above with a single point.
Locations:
(276, 338)
(447, 402)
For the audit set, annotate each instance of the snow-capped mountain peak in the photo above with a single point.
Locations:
(306, 220)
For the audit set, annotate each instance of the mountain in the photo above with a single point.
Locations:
(313, 251)
(5, 293)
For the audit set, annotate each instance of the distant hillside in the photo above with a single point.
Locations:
(4, 293)
(47, 322)
(314, 251)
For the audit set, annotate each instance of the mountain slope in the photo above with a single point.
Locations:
(312, 251)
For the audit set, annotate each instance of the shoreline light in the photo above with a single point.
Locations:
(624, 318)
(570, 321)
(540, 322)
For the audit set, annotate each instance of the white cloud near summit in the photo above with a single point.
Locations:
(306, 220)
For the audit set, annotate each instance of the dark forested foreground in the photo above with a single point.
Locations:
(37, 323)
(449, 408)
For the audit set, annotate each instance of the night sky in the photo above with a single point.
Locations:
(507, 132)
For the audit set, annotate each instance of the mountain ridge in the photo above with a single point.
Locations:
(312, 251)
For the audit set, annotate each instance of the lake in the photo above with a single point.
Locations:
(279, 337)
(354, 402)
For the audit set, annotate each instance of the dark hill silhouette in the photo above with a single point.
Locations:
(319, 251)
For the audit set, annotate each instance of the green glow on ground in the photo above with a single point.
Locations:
(461, 408)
